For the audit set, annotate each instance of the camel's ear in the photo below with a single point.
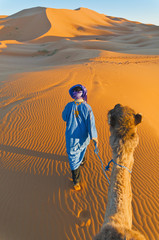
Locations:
(138, 118)
(111, 119)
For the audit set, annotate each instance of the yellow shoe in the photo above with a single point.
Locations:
(77, 187)
(83, 161)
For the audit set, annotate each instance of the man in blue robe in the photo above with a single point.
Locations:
(80, 128)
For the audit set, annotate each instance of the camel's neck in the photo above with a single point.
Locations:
(119, 209)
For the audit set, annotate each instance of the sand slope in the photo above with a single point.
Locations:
(39, 62)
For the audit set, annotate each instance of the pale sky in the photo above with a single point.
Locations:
(145, 11)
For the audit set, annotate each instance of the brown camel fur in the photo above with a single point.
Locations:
(123, 140)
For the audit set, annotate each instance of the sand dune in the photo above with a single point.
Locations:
(23, 25)
(109, 33)
(43, 52)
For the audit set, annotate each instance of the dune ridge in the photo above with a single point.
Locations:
(117, 60)
(80, 26)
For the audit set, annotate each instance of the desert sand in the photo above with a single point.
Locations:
(43, 52)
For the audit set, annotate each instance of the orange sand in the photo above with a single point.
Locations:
(43, 52)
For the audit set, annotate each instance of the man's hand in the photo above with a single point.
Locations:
(95, 140)
(96, 145)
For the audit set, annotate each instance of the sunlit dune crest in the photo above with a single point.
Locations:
(25, 25)
(43, 52)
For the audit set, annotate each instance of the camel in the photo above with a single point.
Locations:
(123, 139)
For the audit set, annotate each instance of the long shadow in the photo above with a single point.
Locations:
(33, 153)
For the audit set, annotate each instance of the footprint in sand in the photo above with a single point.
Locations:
(84, 218)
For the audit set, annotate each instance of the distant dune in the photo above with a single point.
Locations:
(43, 52)
(81, 26)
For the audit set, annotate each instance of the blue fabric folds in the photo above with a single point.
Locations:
(80, 128)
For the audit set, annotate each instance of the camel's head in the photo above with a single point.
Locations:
(123, 121)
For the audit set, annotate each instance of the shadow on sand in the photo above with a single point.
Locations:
(32, 153)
